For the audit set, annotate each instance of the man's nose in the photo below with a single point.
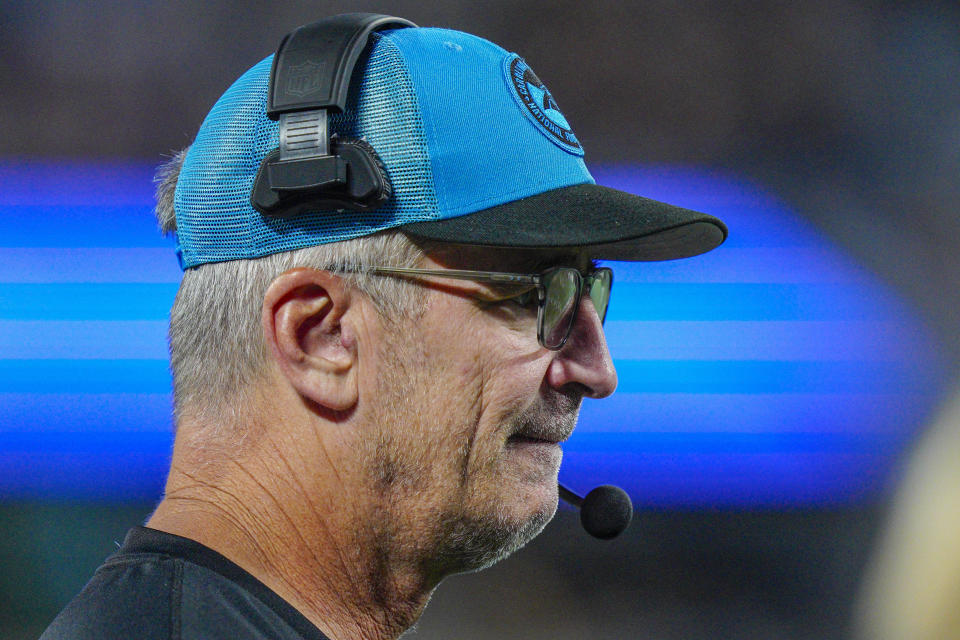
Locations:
(585, 359)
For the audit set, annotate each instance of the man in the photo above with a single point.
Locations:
(382, 336)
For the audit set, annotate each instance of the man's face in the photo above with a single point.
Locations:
(470, 410)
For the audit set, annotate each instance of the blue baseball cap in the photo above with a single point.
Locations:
(475, 147)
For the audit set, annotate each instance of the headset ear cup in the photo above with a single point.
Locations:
(368, 183)
(365, 188)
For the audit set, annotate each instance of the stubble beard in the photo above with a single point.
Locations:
(474, 529)
(476, 542)
(452, 529)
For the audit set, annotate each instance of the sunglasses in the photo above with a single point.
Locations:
(559, 291)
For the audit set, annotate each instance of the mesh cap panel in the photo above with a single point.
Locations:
(215, 220)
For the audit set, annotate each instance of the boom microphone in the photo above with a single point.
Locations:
(604, 512)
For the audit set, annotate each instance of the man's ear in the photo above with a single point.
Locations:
(302, 313)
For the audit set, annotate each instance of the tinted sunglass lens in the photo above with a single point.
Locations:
(600, 291)
(561, 287)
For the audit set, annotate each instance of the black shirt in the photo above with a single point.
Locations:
(159, 586)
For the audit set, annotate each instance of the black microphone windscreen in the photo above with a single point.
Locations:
(606, 511)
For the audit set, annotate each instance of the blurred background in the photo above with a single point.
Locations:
(771, 392)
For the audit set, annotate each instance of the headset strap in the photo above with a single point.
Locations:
(311, 76)
(313, 65)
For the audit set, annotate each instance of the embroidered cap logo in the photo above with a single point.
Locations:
(540, 105)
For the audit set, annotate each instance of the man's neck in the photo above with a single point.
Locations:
(326, 562)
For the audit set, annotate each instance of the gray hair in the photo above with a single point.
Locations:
(216, 341)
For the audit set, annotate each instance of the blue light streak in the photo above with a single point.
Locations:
(772, 372)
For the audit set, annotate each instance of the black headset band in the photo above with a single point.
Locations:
(310, 78)
(313, 65)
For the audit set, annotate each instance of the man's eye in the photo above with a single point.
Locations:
(525, 299)
(502, 295)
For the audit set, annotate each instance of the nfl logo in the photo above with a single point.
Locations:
(304, 78)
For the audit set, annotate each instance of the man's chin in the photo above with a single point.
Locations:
(473, 544)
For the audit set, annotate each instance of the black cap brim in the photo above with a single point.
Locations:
(609, 224)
